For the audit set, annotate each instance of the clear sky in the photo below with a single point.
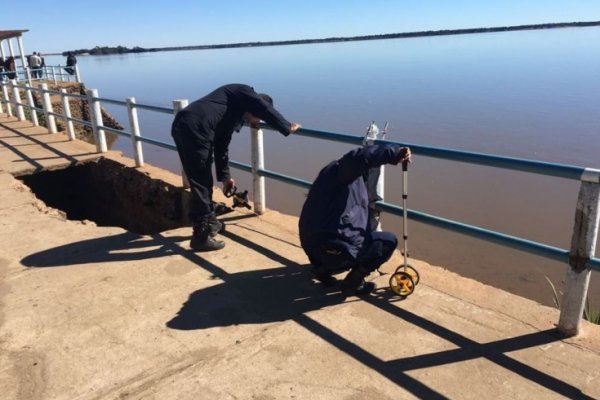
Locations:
(60, 26)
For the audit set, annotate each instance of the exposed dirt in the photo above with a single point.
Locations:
(112, 194)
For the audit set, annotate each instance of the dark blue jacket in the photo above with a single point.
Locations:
(337, 204)
(217, 115)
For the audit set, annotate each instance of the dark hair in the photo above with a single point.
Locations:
(266, 98)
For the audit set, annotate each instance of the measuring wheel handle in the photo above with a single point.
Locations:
(402, 284)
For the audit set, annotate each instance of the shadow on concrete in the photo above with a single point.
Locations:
(130, 246)
(288, 293)
(37, 166)
(126, 246)
(397, 370)
(255, 297)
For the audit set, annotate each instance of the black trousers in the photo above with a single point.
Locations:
(332, 256)
(195, 150)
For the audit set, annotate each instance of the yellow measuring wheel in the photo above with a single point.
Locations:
(410, 270)
(402, 283)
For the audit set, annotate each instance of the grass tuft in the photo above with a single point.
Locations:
(589, 314)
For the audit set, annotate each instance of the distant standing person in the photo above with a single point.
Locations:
(204, 128)
(71, 61)
(2, 69)
(35, 62)
(42, 66)
(11, 67)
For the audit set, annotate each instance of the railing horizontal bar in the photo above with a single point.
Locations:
(113, 130)
(271, 174)
(157, 143)
(56, 114)
(240, 165)
(336, 137)
(77, 96)
(26, 105)
(532, 166)
(163, 110)
(491, 236)
(284, 178)
(117, 131)
(111, 101)
(49, 91)
(79, 121)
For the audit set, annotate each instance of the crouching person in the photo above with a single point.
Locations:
(334, 223)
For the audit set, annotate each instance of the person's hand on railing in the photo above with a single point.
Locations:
(295, 126)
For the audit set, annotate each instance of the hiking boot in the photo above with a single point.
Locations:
(354, 283)
(215, 226)
(323, 276)
(365, 288)
(208, 244)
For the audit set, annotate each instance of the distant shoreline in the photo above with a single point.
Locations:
(120, 49)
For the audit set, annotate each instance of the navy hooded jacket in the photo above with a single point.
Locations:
(337, 204)
(215, 116)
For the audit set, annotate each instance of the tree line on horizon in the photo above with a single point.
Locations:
(103, 50)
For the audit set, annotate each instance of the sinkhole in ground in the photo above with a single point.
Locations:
(111, 194)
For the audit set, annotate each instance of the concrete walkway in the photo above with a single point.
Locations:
(90, 312)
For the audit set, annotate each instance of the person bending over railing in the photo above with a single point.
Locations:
(204, 128)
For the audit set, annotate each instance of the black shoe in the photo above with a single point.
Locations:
(354, 283)
(208, 244)
(365, 288)
(215, 227)
(323, 276)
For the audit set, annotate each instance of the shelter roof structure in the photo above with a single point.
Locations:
(12, 33)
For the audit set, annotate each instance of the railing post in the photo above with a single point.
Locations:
(135, 132)
(54, 75)
(96, 120)
(258, 162)
(17, 99)
(34, 117)
(2, 100)
(179, 105)
(7, 99)
(369, 140)
(47, 105)
(28, 74)
(583, 246)
(77, 76)
(67, 114)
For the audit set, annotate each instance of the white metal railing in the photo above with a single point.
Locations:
(580, 257)
(54, 73)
